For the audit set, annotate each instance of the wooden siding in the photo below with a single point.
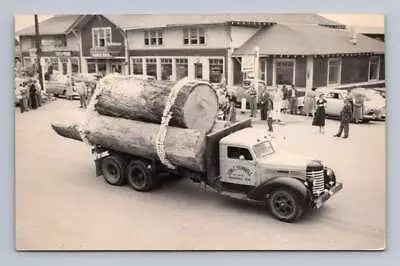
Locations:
(320, 72)
(99, 22)
(301, 71)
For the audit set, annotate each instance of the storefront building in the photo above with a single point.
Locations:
(304, 49)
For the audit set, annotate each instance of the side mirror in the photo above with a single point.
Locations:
(241, 157)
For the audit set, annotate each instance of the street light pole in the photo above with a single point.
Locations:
(38, 51)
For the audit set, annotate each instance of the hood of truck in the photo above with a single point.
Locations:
(284, 161)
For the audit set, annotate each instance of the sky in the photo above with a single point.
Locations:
(351, 19)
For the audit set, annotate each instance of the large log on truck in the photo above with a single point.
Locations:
(195, 107)
(183, 147)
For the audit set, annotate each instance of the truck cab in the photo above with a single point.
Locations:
(252, 167)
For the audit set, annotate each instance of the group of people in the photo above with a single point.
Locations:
(85, 91)
(29, 95)
(316, 107)
(273, 102)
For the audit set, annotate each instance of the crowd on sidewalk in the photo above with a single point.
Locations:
(273, 102)
(30, 95)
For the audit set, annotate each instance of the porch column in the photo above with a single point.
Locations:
(60, 66)
(230, 67)
(191, 74)
(206, 68)
(309, 72)
(84, 67)
(158, 68)
(144, 66)
(274, 72)
(69, 66)
(173, 69)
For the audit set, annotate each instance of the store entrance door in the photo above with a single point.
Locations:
(198, 70)
(116, 68)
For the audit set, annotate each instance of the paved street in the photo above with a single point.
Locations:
(60, 204)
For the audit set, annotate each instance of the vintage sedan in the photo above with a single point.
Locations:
(374, 104)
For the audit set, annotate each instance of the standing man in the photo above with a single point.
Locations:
(38, 93)
(345, 118)
(270, 112)
(293, 100)
(263, 104)
(81, 89)
(253, 101)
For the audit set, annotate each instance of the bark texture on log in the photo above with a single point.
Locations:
(183, 147)
(195, 107)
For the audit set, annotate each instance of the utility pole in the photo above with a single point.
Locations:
(38, 51)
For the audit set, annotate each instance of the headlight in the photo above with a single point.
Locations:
(329, 172)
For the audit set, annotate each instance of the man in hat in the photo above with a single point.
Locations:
(253, 101)
(345, 118)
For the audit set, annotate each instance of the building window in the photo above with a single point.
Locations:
(194, 36)
(54, 63)
(166, 68)
(137, 66)
(154, 37)
(101, 37)
(373, 72)
(334, 71)
(151, 67)
(75, 65)
(91, 67)
(181, 68)
(285, 71)
(216, 70)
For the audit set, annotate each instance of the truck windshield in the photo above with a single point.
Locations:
(263, 149)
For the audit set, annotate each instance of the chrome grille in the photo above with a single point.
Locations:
(316, 178)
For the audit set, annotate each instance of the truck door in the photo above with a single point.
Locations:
(239, 167)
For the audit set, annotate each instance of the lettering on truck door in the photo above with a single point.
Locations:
(240, 167)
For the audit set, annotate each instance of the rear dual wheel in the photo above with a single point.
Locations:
(113, 168)
(138, 174)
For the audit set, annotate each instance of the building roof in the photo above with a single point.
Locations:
(62, 24)
(164, 20)
(52, 26)
(370, 30)
(307, 40)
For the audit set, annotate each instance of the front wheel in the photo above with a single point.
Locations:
(285, 205)
(139, 176)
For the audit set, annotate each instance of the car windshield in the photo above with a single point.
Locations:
(262, 149)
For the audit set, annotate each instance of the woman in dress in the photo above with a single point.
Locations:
(319, 117)
(278, 105)
(309, 102)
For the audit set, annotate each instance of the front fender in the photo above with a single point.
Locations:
(265, 188)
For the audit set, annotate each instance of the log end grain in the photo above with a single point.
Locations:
(201, 108)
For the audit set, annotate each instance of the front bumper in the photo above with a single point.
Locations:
(327, 194)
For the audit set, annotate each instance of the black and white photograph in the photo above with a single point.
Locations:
(208, 131)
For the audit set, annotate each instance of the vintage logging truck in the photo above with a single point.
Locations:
(134, 141)
(240, 162)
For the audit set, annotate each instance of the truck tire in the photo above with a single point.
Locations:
(113, 168)
(285, 205)
(139, 176)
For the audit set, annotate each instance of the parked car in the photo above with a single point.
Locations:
(242, 90)
(61, 89)
(374, 104)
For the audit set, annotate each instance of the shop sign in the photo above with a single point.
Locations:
(63, 54)
(248, 63)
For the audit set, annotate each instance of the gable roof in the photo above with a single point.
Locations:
(53, 26)
(307, 40)
(164, 20)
